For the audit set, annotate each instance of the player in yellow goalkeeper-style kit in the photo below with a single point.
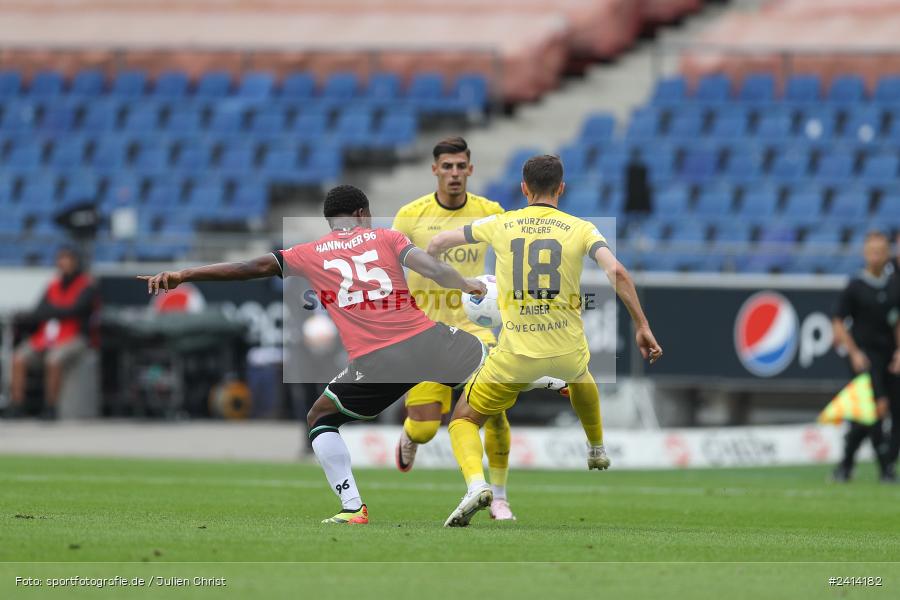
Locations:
(448, 208)
(540, 252)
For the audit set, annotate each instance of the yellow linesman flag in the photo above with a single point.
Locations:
(856, 402)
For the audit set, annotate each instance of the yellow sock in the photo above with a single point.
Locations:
(467, 449)
(585, 399)
(421, 432)
(496, 446)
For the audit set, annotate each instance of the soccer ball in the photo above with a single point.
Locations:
(483, 310)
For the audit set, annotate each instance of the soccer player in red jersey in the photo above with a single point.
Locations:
(357, 272)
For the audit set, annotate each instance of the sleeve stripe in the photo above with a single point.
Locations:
(405, 252)
(467, 231)
(279, 258)
(596, 246)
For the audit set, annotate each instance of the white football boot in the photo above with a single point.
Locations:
(476, 499)
(597, 458)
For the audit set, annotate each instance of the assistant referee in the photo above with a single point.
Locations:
(865, 324)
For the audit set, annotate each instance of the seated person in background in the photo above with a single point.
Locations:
(62, 319)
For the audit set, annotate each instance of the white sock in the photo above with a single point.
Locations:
(334, 457)
(477, 484)
(499, 492)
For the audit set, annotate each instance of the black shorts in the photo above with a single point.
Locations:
(374, 381)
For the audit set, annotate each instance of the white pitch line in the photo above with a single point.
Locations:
(434, 487)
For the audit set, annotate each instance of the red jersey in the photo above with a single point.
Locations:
(358, 276)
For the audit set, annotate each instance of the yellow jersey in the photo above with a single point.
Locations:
(421, 220)
(540, 255)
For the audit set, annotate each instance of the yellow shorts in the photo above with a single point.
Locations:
(496, 385)
(428, 392)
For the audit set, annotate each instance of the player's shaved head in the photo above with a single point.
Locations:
(345, 200)
(543, 174)
(451, 145)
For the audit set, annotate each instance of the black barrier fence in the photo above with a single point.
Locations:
(752, 333)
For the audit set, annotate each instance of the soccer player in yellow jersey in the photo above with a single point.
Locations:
(540, 251)
(448, 208)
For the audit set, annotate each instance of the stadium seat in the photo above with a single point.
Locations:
(689, 232)
(192, 156)
(713, 88)
(152, 158)
(10, 84)
(887, 91)
(227, 119)
(758, 88)
(88, 83)
(818, 124)
(143, 118)
(46, 85)
(426, 91)
(864, 124)
(323, 165)
(101, 116)
(67, 153)
(19, 116)
(186, 119)
(171, 85)
(256, 86)
(790, 166)
(671, 200)
(58, 118)
(685, 126)
(238, 158)
(213, 85)
(81, 187)
(880, 168)
(340, 87)
(598, 127)
(826, 234)
(837, 166)
(714, 202)
(804, 207)
(110, 153)
(26, 156)
(803, 89)
(383, 87)
(847, 89)
(758, 203)
(396, 129)
(298, 86)
(268, 123)
(310, 126)
(574, 158)
(353, 129)
(729, 127)
(280, 164)
(469, 93)
(129, 84)
(774, 127)
(849, 205)
(670, 90)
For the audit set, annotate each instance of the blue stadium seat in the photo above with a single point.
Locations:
(644, 124)
(818, 124)
(880, 168)
(123, 190)
(759, 203)
(81, 187)
(610, 163)
(670, 90)
(280, 163)
(238, 158)
(790, 166)
(256, 85)
(184, 119)
(298, 86)
(192, 156)
(19, 116)
(847, 89)
(803, 88)
(228, 118)
(426, 91)
(129, 84)
(110, 153)
(68, 153)
(26, 156)
(729, 127)
(354, 129)
(774, 127)
(470, 93)
(341, 86)
(836, 166)
(759, 87)
(714, 202)
(713, 88)
(864, 124)
(849, 205)
(888, 90)
(206, 196)
(10, 84)
(827, 234)
(101, 115)
(58, 118)
(685, 126)
(888, 210)
(689, 231)
(38, 195)
(310, 126)
(171, 85)
(804, 206)
(46, 84)
(598, 127)
(383, 87)
(213, 85)
(88, 83)
(574, 158)
(323, 165)
(671, 200)
(164, 195)
(268, 123)
(152, 158)
(745, 163)
(397, 128)
(700, 163)
(143, 118)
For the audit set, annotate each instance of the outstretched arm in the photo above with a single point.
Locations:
(446, 240)
(621, 281)
(264, 266)
(442, 273)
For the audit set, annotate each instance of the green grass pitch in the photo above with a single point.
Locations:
(776, 532)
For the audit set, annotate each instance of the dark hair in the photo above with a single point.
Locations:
(344, 200)
(543, 174)
(451, 145)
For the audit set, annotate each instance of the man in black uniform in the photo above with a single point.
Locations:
(871, 301)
